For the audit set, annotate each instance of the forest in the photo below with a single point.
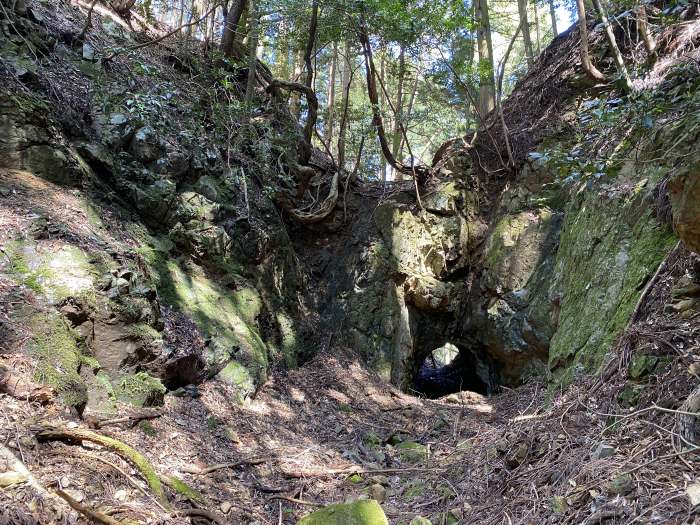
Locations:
(349, 262)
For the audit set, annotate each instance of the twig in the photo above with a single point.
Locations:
(220, 466)
(297, 501)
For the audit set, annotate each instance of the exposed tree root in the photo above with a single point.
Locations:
(324, 211)
(88, 512)
(78, 435)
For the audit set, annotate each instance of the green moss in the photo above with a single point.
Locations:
(412, 451)
(184, 490)
(147, 428)
(144, 332)
(228, 316)
(361, 512)
(608, 251)
(140, 390)
(58, 357)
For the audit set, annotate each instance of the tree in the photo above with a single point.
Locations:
(252, 48)
(621, 68)
(233, 20)
(553, 17)
(588, 67)
(487, 99)
(525, 27)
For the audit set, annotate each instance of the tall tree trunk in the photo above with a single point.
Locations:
(643, 24)
(621, 67)
(487, 97)
(398, 108)
(382, 103)
(295, 99)
(233, 20)
(182, 14)
(328, 129)
(252, 50)
(409, 110)
(311, 46)
(525, 26)
(345, 81)
(537, 27)
(553, 17)
(588, 67)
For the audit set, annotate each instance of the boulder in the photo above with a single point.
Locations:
(361, 512)
(146, 146)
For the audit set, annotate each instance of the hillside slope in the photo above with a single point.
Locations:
(175, 348)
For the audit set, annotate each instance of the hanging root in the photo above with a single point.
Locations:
(327, 206)
(140, 462)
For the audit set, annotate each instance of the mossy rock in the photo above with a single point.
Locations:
(412, 451)
(361, 512)
(420, 520)
(58, 356)
(238, 376)
(641, 366)
(140, 390)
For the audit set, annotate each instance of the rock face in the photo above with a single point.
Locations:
(685, 199)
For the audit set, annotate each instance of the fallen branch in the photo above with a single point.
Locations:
(355, 470)
(93, 515)
(220, 466)
(201, 513)
(142, 464)
(297, 501)
(133, 418)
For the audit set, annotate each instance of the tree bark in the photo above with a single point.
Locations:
(311, 46)
(588, 67)
(537, 28)
(485, 49)
(621, 67)
(346, 80)
(252, 51)
(328, 129)
(643, 24)
(553, 17)
(398, 107)
(233, 19)
(525, 27)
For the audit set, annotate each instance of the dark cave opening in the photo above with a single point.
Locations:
(449, 369)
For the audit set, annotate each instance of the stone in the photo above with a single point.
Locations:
(88, 52)
(146, 145)
(77, 495)
(693, 493)
(559, 504)
(412, 452)
(377, 492)
(420, 520)
(120, 495)
(603, 450)
(360, 512)
(118, 119)
(621, 485)
(11, 478)
(225, 507)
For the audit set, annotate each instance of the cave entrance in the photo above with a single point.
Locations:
(449, 368)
